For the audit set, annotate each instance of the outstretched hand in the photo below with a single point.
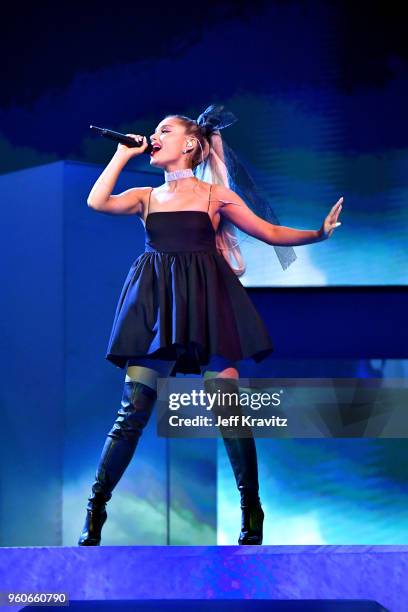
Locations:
(330, 222)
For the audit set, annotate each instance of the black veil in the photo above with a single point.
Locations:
(229, 170)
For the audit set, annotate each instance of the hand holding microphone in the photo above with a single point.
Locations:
(130, 145)
(129, 151)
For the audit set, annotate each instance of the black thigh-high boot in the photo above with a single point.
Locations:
(241, 452)
(136, 407)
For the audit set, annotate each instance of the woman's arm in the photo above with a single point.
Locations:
(129, 202)
(237, 212)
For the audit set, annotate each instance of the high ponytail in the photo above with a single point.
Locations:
(209, 166)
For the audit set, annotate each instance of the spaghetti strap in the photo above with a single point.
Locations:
(209, 199)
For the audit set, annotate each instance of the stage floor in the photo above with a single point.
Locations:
(377, 573)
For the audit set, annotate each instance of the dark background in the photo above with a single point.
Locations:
(66, 65)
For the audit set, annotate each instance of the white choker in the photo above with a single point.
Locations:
(178, 174)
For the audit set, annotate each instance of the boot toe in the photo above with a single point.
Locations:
(249, 539)
(86, 541)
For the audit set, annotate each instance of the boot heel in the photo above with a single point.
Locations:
(252, 525)
(91, 533)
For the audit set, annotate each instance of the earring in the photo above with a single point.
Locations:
(189, 144)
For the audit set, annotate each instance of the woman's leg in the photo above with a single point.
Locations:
(138, 399)
(219, 376)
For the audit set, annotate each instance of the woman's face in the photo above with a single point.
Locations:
(170, 136)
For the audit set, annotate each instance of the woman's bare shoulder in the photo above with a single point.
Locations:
(223, 194)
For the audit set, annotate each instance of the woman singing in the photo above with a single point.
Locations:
(182, 307)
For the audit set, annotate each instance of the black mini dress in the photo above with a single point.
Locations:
(182, 301)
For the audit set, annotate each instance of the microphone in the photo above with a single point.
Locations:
(122, 138)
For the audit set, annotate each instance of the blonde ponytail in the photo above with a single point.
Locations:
(214, 171)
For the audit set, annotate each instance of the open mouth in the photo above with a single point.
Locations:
(156, 148)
